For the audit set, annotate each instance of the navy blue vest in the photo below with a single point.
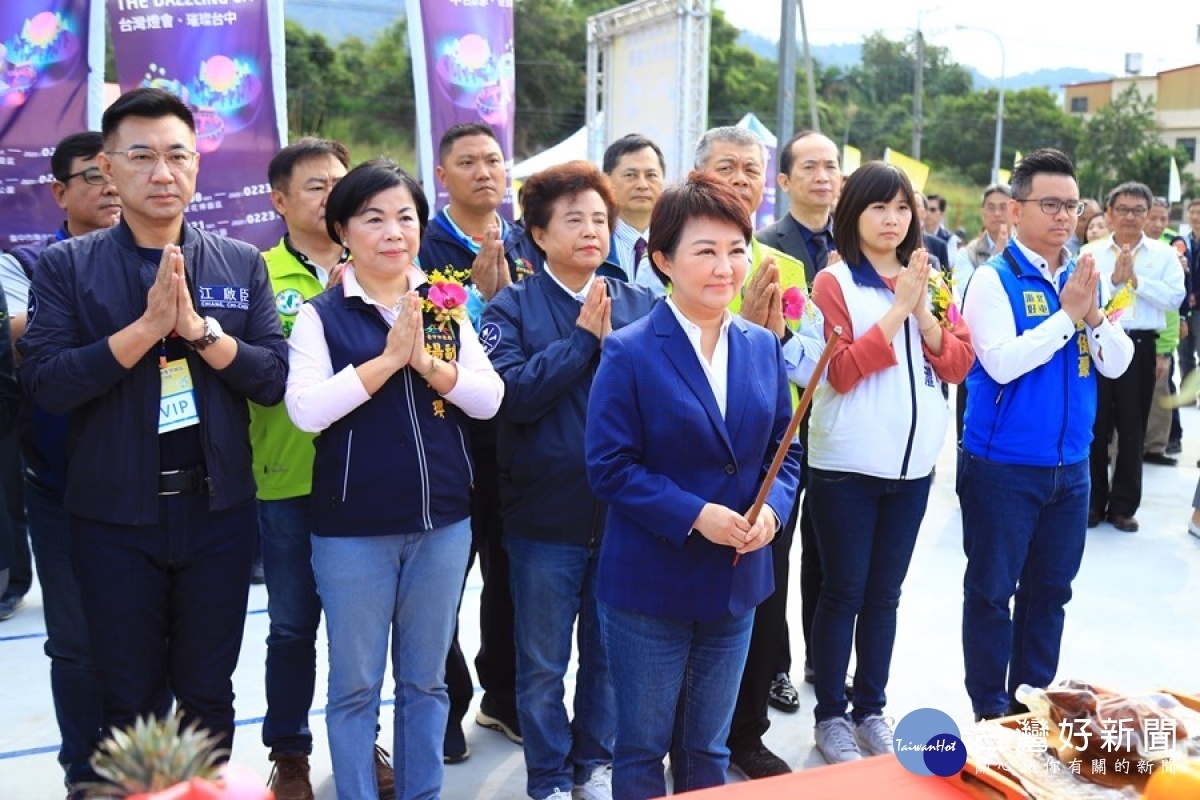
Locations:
(400, 462)
(1043, 418)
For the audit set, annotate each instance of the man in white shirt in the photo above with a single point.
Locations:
(991, 240)
(1151, 268)
(635, 168)
(1040, 339)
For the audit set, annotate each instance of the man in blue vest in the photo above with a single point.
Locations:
(89, 202)
(1040, 337)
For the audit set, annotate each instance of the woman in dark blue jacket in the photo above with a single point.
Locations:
(686, 413)
(544, 337)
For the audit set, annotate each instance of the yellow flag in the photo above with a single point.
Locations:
(1003, 175)
(917, 171)
(1016, 160)
(851, 158)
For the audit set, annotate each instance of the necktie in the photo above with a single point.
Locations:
(639, 252)
(819, 250)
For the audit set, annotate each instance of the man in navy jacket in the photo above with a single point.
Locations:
(152, 335)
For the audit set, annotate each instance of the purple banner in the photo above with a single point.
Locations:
(43, 97)
(463, 71)
(219, 62)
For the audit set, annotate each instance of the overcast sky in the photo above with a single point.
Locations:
(1036, 33)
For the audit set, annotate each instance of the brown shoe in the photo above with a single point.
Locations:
(1123, 523)
(385, 776)
(289, 777)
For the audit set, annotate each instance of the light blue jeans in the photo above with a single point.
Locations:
(404, 586)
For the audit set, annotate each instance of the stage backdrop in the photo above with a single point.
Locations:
(226, 63)
(463, 71)
(50, 68)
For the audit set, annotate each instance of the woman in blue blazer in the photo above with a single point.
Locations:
(686, 411)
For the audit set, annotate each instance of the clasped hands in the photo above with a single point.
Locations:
(724, 526)
(169, 303)
(405, 346)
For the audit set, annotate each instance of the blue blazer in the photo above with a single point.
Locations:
(658, 449)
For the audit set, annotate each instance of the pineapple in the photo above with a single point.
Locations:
(154, 755)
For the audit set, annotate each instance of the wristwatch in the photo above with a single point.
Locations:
(212, 332)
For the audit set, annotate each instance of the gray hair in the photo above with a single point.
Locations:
(732, 134)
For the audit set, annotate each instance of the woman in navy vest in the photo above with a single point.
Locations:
(878, 423)
(387, 368)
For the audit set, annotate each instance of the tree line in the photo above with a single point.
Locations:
(362, 93)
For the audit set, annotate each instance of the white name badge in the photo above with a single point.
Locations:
(177, 406)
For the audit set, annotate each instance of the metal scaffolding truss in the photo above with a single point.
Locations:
(691, 22)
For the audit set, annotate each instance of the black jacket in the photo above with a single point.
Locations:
(89, 287)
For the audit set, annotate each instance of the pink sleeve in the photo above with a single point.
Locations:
(852, 359)
(957, 354)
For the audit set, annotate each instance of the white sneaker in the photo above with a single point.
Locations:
(874, 735)
(598, 787)
(558, 794)
(835, 740)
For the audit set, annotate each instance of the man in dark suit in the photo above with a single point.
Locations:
(939, 256)
(810, 174)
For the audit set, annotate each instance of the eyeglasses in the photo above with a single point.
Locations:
(1130, 211)
(1053, 205)
(91, 176)
(144, 159)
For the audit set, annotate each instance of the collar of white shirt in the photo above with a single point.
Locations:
(1064, 258)
(581, 295)
(353, 288)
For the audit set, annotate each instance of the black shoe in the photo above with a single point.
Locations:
(503, 723)
(783, 695)
(758, 762)
(1161, 459)
(1174, 448)
(454, 745)
(810, 675)
(1094, 517)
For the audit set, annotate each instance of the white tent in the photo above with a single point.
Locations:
(573, 148)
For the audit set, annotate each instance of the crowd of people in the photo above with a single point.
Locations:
(589, 402)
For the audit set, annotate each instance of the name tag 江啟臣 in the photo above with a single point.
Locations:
(177, 406)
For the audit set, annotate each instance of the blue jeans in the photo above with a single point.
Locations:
(553, 583)
(295, 610)
(866, 528)
(675, 683)
(1023, 533)
(405, 587)
(166, 608)
(72, 682)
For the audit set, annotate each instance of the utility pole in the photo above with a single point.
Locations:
(918, 92)
(808, 70)
(785, 100)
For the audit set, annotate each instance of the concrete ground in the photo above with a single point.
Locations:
(1132, 625)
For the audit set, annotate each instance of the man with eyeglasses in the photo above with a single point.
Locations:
(1040, 338)
(91, 203)
(1151, 268)
(992, 239)
(152, 335)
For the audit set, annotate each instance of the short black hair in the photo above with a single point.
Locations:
(785, 153)
(148, 103)
(461, 131)
(1043, 161)
(279, 171)
(936, 201)
(873, 182)
(352, 193)
(630, 143)
(1135, 188)
(87, 144)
